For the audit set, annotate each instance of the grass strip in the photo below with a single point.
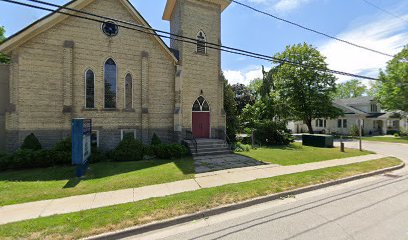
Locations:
(57, 182)
(295, 154)
(387, 139)
(96, 221)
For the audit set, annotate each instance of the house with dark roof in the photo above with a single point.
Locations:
(361, 110)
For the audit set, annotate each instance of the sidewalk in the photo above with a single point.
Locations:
(19, 212)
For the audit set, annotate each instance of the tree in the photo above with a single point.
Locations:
(255, 87)
(306, 92)
(393, 88)
(350, 89)
(243, 96)
(230, 108)
(3, 58)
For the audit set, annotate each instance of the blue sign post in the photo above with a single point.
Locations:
(81, 144)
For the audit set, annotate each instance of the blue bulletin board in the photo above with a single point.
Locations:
(81, 143)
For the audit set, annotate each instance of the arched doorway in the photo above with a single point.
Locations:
(201, 118)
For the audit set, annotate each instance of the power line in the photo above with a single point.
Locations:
(385, 11)
(176, 37)
(312, 30)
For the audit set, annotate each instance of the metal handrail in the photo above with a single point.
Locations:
(193, 139)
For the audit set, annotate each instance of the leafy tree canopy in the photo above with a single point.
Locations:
(243, 96)
(3, 58)
(392, 91)
(230, 108)
(305, 92)
(350, 89)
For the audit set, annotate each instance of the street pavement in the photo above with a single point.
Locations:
(374, 208)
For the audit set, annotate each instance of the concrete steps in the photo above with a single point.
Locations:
(208, 147)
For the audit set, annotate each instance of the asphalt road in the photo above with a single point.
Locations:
(372, 208)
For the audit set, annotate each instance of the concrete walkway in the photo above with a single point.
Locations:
(19, 212)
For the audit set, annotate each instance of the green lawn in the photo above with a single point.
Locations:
(40, 184)
(298, 154)
(96, 221)
(387, 139)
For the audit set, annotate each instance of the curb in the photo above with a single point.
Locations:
(231, 207)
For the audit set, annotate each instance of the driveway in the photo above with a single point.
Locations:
(398, 150)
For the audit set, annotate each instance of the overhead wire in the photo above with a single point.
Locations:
(311, 29)
(176, 37)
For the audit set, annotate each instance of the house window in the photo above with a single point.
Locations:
(95, 139)
(342, 123)
(110, 83)
(128, 91)
(89, 89)
(201, 43)
(374, 108)
(321, 123)
(127, 132)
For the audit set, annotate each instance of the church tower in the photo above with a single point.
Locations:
(199, 88)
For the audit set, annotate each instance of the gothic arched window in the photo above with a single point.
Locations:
(128, 91)
(201, 105)
(201, 43)
(89, 89)
(110, 83)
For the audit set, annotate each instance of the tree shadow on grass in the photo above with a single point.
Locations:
(95, 171)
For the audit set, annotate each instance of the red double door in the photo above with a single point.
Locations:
(201, 124)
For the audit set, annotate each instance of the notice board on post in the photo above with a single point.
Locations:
(81, 140)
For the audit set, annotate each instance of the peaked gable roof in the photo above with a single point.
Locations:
(55, 17)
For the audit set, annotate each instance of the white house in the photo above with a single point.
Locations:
(365, 109)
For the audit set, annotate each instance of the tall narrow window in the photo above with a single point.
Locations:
(201, 43)
(128, 91)
(89, 89)
(110, 83)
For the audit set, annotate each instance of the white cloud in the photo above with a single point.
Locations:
(281, 6)
(288, 5)
(243, 76)
(385, 35)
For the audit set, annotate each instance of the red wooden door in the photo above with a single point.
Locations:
(201, 124)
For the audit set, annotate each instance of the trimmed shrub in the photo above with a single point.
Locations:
(354, 131)
(403, 132)
(31, 143)
(129, 149)
(393, 132)
(64, 145)
(239, 147)
(272, 133)
(98, 156)
(166, 151)
(155, 140)
(150, 150)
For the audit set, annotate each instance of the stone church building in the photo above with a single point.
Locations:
(127, 81)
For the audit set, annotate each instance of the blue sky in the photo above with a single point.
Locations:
(352, 20)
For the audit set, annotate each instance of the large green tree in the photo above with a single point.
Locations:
(350, 89)
(305, 91)
(230, 108)
(243, 96)
(392, 90)
(3, 58)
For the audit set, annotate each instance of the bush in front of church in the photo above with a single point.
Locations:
(166, 151)
(270, 133)
(155, 140)
(129, 149)
(31, 142)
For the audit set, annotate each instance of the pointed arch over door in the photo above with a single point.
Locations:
(201, 118)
